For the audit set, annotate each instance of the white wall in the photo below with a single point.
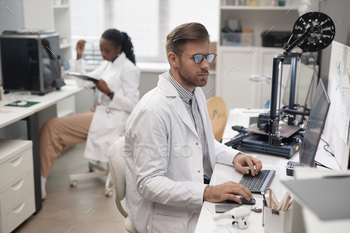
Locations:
(149, 80)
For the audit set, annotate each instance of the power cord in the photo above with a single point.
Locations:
(325, 147)
(322, 165)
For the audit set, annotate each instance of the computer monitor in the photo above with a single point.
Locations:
(314, 127)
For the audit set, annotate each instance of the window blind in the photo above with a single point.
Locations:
(146, 22)
(11, 15)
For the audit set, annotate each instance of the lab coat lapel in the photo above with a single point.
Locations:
(206, 122)
(177, 103)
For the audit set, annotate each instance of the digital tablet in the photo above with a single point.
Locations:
(82, 76)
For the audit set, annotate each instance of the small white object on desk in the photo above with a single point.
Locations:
(239, 214)
(21, 103)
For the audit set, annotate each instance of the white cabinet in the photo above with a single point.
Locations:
(265, 61)
(233, 84)
(17, 201)
(236, 66)
(233, 71)
(66, 107)
(53, 14)
(50, 14)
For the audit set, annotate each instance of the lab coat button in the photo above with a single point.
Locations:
(197, 143)
(199, 171)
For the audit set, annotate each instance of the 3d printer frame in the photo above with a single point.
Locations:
(313, 31)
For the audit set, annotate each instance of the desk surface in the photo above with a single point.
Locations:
(10, 115)
(223, 173)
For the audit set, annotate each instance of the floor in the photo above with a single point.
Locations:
(84, 208)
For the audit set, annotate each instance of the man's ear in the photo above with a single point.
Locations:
(173, 59)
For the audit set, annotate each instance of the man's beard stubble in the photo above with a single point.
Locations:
(190, 80)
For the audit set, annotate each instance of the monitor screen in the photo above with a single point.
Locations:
(314, 126)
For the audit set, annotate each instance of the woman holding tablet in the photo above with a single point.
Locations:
(115, 97)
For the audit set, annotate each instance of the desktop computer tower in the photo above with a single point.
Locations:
(30, 61)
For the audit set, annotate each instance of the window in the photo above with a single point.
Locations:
(11, 15)
(146, 22)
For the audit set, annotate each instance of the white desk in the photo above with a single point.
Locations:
(49, 99)
(30, 115)
(223, 173)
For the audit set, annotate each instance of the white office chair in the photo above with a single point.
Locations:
(117, 168)
(102, 171)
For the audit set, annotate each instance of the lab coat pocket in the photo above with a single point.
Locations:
(170, 224)
(109, 121)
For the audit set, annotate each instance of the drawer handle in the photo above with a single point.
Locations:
(18, 185)
(16, 161)
(19, 208)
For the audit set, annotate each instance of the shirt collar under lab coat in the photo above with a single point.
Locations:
(169, 90)
(184, 94)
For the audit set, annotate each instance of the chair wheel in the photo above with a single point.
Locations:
(109, 194)
(73, 183)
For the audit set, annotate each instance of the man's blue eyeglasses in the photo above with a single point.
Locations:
(198, 58)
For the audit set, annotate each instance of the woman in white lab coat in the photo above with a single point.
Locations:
(115, 97)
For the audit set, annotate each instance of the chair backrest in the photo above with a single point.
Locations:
(117, 167)
(218, 116)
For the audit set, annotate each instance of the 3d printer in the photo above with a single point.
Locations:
(312, 32)
(30, 61)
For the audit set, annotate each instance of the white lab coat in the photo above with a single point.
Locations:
(164, 161)
(108, 123)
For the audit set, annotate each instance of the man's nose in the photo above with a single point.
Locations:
(205, 64)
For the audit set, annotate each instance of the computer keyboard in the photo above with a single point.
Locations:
(258, 183)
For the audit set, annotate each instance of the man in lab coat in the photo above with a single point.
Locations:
(170, 150)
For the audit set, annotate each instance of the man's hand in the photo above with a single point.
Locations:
(226, 191)
(242, 160)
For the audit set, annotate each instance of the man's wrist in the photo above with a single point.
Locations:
(206, 194)
(237, 155)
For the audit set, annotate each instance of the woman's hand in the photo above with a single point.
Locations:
(80, 48)
(102, 86)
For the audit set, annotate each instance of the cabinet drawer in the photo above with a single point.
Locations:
(16, 167)
(17, 214)
(16, 191)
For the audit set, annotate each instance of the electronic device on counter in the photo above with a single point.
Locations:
(312, 32)
(313, 130)
(225, 207)
(274, 38)
(30, 61)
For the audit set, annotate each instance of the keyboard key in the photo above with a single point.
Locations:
(255, 183)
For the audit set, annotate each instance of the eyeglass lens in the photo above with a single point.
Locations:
(199, 57)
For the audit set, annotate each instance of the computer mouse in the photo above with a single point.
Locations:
(244, 201)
